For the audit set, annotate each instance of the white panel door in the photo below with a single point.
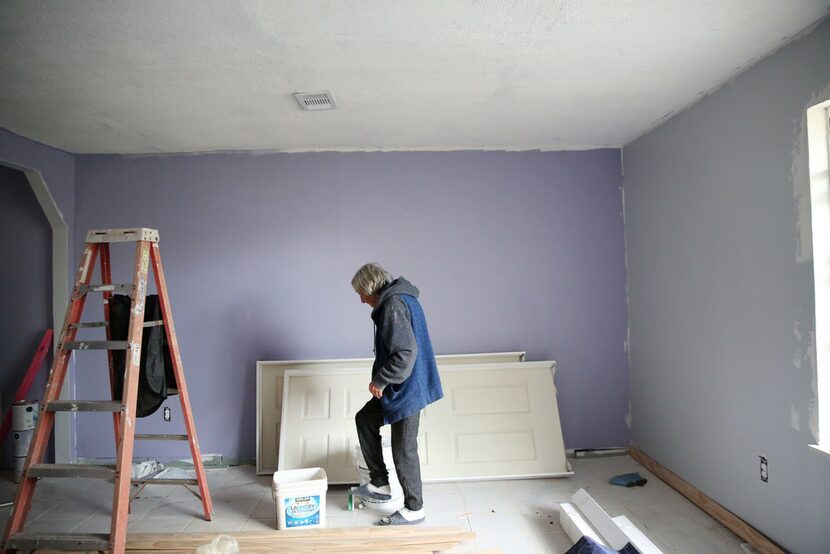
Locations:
(496, 420)
(318, 427)
(270, 387)
(269, 402)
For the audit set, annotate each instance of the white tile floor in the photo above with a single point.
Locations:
(518, 516)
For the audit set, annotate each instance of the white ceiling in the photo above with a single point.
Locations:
(157, 76)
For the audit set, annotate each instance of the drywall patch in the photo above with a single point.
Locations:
(799, 354)
(795, 418)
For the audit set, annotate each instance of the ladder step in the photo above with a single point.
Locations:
(105, 324)
(95, 345)
(126, 288)
(161, 437)
(65, 541)
(122, 235)
(80, 471)
(83, 406)
(89, 324)
(162, 481)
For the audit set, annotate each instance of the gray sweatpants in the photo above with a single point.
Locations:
(369, 420)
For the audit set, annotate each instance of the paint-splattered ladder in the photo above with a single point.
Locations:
(124, 411)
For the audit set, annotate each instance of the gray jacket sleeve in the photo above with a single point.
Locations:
(396, 333)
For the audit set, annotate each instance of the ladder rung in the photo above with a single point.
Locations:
(105, 324)
(126, 288)
(81, 471)
(90, 324)
(161, 437)
(96, 345)
(151, 481)
(83, 406)
(65, 541)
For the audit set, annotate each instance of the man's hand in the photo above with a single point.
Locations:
(376, 392)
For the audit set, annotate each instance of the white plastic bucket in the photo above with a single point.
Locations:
(397, 501)
(24, 415)
(22, 440)
(19, 463)
(300, 495)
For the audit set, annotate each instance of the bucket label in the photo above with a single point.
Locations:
(24, 415)
(22, 440)
(302, 510)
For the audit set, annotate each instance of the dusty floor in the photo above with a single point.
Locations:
(517, 516)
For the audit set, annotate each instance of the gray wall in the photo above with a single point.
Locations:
(721, 301)
(511, 250)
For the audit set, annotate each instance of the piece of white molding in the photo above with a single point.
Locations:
(600, 519)
(575, 525)
(636, 537)
(586, 518)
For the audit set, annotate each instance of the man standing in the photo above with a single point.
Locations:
(404, 381)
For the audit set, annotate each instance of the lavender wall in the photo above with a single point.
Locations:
(57, 170)
(26, 288)
(56, 167)
(512, 251)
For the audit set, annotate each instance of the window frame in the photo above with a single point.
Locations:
(818, 139)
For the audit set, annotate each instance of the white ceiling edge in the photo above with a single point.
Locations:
(366, 150)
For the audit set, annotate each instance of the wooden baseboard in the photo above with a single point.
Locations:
(735, 524)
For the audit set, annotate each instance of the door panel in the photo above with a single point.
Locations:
(496, 420)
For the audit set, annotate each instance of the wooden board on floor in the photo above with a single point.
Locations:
(346, 540)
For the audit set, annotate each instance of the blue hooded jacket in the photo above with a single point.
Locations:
(405, 366)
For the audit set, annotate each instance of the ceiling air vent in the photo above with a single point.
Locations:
(316, 100)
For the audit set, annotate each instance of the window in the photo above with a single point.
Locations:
(818, 137)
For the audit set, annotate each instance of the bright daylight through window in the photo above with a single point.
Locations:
(818, 134)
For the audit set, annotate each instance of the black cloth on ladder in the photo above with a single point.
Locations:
(156, 373)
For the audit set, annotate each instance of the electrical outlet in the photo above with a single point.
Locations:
(764, 469)
(167, 416)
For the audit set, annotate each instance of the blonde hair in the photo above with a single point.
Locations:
(370, 279)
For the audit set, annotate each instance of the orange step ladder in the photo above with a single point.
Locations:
(146, 254)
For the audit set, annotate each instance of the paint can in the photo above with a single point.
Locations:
(19, 464)
(24, 415)
(22, 440)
